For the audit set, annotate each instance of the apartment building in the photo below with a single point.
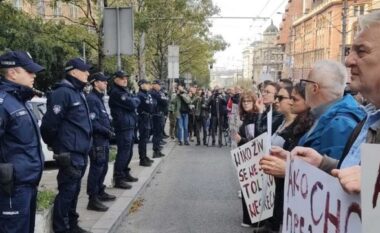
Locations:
(316, 32)
(52, 10)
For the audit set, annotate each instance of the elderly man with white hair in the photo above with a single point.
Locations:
(364, 63)
(335, 115)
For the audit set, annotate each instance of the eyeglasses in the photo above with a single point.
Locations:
(305, 81)
(281, 97)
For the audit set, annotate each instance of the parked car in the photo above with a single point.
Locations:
(39, 109)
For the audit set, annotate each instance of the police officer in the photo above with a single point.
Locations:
(102, 132)
(21, 158)
(160, 102)
(145, 111)
(66, 128)
(123, 107)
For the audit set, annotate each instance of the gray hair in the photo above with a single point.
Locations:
(331, 75)
(367, 20)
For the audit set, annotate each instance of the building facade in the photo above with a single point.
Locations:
(248, 62)
(53, 10)
(316, 33)
(267, 57)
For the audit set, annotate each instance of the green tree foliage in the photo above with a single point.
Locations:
(50, 43)
(183, 23)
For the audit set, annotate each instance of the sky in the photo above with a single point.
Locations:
(238, 33)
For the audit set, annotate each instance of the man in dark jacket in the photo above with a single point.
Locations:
(145, 111)
(66, 128)
(102, 132)
(123, 107)
(21, 157)
(218, 106)
(158, 118)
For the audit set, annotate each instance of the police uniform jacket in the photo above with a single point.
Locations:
(20, 142)
(145, 109)
(100, 120)
(160, 102)
(123, 108)
(66, 126)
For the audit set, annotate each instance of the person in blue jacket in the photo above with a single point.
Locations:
(102, 132)
(158, 117)
(123, 110)
(66, 128)
(21, 157)
(335, 115)
(145, 112)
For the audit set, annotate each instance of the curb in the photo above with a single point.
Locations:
(112, 219)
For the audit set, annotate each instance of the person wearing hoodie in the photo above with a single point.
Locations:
(66, 128)
(21, 157)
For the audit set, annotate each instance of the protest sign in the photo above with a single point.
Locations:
(314, 201)
(258, 188)
(370, 187)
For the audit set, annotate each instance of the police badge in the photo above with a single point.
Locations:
(56, 109)
(92, 116)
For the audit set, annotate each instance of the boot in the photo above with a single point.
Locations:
(150, 160)
(158, 154)
(145, 162)
(129, 178)
(106, 197)
(95, 204)
(122, 184)
(78, 229)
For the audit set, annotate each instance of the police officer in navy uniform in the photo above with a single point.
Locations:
(66, 128)
(145, 111)
(158, 117)
(21, 157)
(102, 132)
(123, 107)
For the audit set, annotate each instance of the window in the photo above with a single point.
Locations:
(41, 7)
(17, 4)
(73, 11)
(57, 9)
(359, 10)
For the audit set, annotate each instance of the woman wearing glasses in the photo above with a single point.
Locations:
(297, 121)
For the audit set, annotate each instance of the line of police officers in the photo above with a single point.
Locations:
(74, 126)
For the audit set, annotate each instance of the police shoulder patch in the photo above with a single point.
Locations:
(92, 115)
(57, 109)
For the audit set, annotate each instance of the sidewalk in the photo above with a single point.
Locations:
(105, 222)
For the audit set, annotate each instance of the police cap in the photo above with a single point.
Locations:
(99, 76)
(120, 74)
(77, 63)
(142, 81)
(19, 59)
(156, 81)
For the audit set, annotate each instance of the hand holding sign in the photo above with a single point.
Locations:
(349, 178)
(274, 166)
(308, 155)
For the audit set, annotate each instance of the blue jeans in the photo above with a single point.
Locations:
(182, 123)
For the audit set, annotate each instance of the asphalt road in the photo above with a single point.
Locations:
(194, 190)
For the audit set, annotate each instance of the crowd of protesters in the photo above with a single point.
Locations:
(319, 119)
